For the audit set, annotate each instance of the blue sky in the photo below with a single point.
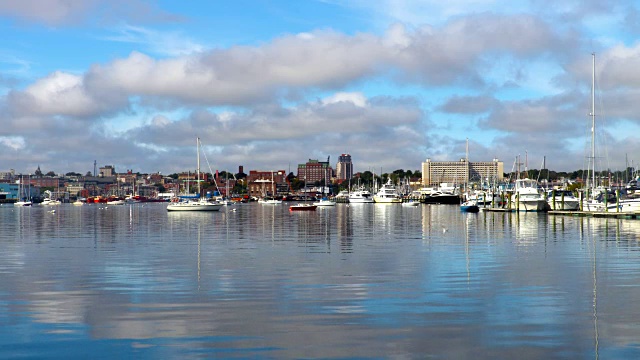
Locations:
(270, 84)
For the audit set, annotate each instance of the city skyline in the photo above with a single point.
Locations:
(133, 83)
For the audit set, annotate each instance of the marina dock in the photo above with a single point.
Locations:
(595, 214)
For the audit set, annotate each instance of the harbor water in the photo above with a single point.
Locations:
(349, 281)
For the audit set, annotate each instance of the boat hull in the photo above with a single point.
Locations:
(386, 200)
(193, 206)
(625, 206)
(469, 208)
(564, 205)
(324, 203)
(302, 207)
(442, 199)
(360, 200)
(361, 197)
(530, 205)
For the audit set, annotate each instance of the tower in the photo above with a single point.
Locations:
(344, 168)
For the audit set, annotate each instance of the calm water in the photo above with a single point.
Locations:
(359, 281)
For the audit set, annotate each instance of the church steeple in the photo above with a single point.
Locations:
(38, 172)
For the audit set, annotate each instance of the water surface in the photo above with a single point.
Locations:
(358, 281)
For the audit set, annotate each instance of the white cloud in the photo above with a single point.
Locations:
(59, 94)
(12, 142)
(357, 99)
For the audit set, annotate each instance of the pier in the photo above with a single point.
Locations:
(594, 214)
(597, 214)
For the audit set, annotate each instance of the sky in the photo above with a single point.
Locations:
(270, 84)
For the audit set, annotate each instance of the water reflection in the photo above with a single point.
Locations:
(350, 281)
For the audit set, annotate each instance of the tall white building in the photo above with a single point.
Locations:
(460, 172)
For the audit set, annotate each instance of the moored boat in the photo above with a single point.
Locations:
(324, 202)
(115, 200)
(562, 200)
(360, 195)
(527, 197)
(469, 206)
(23, 202)
(387, 194)
(267, 200)
(302, 207)
(199, 203)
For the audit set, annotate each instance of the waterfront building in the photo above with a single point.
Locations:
(107, 171)
(7, 175)
(455, 172)
(156, 178)
(9, 191)
(75, 189)
(46, 181)
(314, 170)
(13, 191)
(344, 168)
(267, 183)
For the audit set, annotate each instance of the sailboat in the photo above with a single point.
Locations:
(24, 200)
(199, 204)
(470, 205)
(598, 198)
(324, 201)
(265, 199)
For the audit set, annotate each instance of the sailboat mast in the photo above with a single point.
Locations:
(466, 182)
(198, 163)
(593, 119)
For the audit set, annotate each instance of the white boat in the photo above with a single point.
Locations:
(343, 194)
(199, 204)
(562, 200)
(23, 203)
(131, 199)
(481, 198)
(387, 194)
(324, 202)
(116, 202)
(527, 197)
(50, 202)
(78, 202)
(269, 201)
(49, 199)
(360, 195)
(24, 200)
(624, 205)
